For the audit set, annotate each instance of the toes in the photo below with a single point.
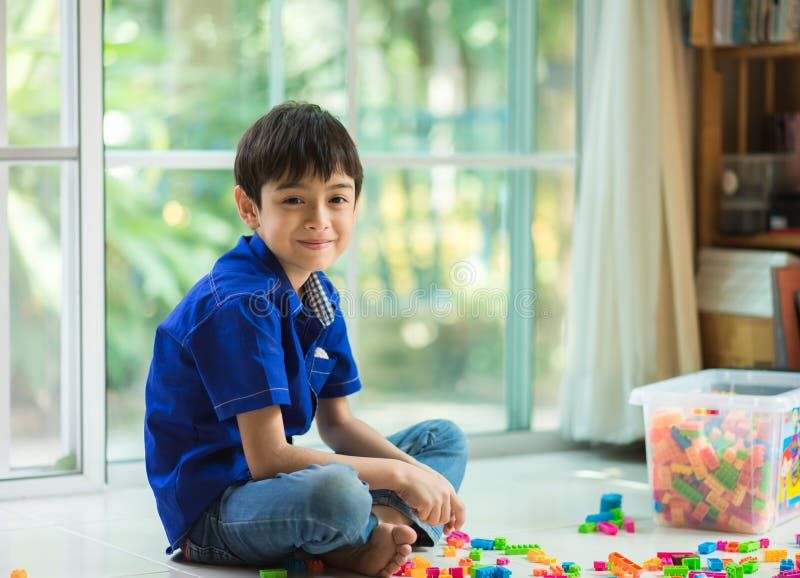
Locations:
(404, 549)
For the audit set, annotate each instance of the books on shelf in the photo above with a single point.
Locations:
(736, 22)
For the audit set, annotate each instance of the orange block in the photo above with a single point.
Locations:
(19, 573)
(774, 554)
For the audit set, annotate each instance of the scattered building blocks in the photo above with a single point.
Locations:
(774, 554)
(517, 549)
(734, 570)
(455, 541)
(750, 567)
(502, 561)
(652, 564)
(607, 528)
(714, 564)
(475, 554)
(600, 565)
(623, 567)
(691, 562)
(499, 543)
(449, 552)
(465, 562)
(675, 570)
(482, 543)
(706, 547)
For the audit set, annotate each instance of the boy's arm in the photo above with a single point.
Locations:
(350, 436)
(268, 454)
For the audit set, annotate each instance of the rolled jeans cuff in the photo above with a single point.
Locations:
(427, 535)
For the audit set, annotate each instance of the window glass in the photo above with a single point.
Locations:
(432, 297)
(194, 74)
(433, 76)
(555, 75)
(552, 237)
(164, 230)
(33, 72)
(43, 427)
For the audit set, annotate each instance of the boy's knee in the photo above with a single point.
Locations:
(338, 497)
(449, 434)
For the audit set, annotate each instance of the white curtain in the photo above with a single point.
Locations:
(631, 311)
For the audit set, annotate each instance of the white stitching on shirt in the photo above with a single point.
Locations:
(251, 395)
(213, 285)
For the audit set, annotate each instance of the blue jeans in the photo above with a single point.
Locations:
(318, 509)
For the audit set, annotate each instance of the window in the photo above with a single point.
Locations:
(465, 117)
(50, 247)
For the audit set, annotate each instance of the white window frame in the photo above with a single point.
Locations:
(83, 261)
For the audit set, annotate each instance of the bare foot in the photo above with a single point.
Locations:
(386, 550)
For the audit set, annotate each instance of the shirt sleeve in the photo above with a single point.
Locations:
(239, 357)
(343, 379)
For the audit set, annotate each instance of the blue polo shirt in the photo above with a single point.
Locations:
(240, 340)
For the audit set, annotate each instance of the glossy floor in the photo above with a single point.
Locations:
(527, 499)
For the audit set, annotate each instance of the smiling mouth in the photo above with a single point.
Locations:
(316, 245)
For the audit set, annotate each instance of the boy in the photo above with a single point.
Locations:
(255, 351)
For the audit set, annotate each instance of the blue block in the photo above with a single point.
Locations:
(600, 517)
(714, 564)
(566, 565)
(609, 501)
(501, 572)
(787, 564)
(707, 548)
(658, 506)
(682, 440)
(481, 543)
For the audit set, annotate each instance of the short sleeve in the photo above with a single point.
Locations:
(239, 357)
(343, 379)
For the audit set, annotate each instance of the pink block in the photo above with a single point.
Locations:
(432, 572)
(764, 542)
(607, 528)
(503, 561)
(457, 572)
(721, 545)
(600, 565)
(629, 525)
(459, 534)
(693, 573)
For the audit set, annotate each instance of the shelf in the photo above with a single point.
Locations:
(757, 51)
(774, 241)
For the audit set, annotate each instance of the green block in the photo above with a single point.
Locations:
(692, 562)
(690, 433)
(515, 549)
(741, 454)
(676, 570)
(272, 573)
(475, 554)
(727, 474)
(734, 570)
(712, 514)
(587, 528)
(617, 513)
(500, 543)
(759, 504)
(749, 546)
(693, 495)
(473, 568)
(750, 567)
(574, 571)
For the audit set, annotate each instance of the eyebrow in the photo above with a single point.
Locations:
(301, 185)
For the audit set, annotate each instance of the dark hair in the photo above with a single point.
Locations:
(293, 140)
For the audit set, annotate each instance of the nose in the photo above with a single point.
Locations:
(317, 218)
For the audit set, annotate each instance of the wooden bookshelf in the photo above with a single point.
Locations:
(737, 87)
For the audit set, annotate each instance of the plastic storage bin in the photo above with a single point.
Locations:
(722, 448)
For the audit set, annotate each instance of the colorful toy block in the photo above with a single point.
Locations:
(432, 572)
(607, 528)
(775, 554)
(19, 573)
(500, 543)
(587, 527)
(714, 564)
(786, 564)
(449, 552)
(706, 547)
(502, 561)
(750, 567)
(420, 562)
(465, 562)
(675, 570)
(482, 543)
(600, 565)
(419, 572)
(629, 524)
(517, 549)
(652, 564)
(273, 573)
(764, 542)
(457, 572)
(475, 554)
(623, 567)
(314, 566)
(734, 570)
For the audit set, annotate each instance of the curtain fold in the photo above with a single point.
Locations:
(631, 313)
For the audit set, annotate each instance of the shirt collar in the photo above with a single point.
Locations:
(317, 298)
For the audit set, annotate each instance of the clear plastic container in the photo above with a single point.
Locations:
(722, 448)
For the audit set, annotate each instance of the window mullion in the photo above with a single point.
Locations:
(521, 106)
(69, 405)
(5, 271)
(351, 262)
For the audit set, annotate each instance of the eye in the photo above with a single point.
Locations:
(339, 200)
(292, 201)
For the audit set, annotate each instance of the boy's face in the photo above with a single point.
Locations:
(307, 224)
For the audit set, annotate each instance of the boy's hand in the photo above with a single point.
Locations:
(432, 498)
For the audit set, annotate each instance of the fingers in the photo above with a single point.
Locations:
(459, 512)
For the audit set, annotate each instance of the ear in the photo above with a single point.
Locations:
(248, 212)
